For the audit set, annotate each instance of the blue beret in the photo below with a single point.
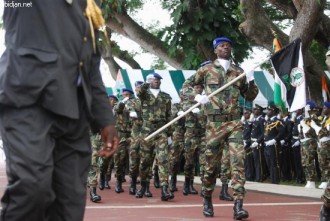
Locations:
(127, 90)
(327, 104)
(205, 63)
(113, 96)
(157, 75)
(311, 104)
(138, 83)
(217, 41)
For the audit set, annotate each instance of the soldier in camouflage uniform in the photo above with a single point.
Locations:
(94, 170)
(308, 140)
(223, 120)
(156, 112)
(123, 125)
(177, 147)
(134, 108)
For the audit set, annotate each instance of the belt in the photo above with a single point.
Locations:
(153, 125)
(324, 139)
(222, 117)
(295, 137)
(254, 139)
(304, 140)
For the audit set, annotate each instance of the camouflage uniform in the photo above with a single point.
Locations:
(177, 147)
(223, 121)
(123, 125)
(94, 170)
(156, 112)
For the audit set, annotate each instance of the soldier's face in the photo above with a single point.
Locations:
(223, 50)
(199, 89)
(126, 94)
(137, 88)
(270, 112)
(256, 111)
(112, 101)
(326, 110)
(247, 115)
(155, 83)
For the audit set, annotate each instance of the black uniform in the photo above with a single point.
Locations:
(296, 151)
(248, 162)
(285, 156)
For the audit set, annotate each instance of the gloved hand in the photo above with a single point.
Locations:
(244, 143)
(150, 78)
(243, 119)
(133, 114)
(125, 99)
(293, 116)
(270, 142)
(304, 126)
(254, 144)
(307, 107)
(202, 99)
(180, 113)
(315, 127)
(196, 110)
(250, 75)
(282, 142)
(169, 140)
(296, 144)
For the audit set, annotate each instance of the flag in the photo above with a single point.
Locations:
(325, 90)
(290, 84)
(276, 44)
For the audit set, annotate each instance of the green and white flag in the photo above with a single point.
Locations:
(290, 84)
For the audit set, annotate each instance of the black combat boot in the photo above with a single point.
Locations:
(165, 195)
(93, 196)
(101, 181)
(192, 190)
(325, 213)
(147, 193)
(119, 188)
(239, 212)
(186, 185)
(140, 193)
(224, 195)
(173, 187)
(207, 206)
(107, 180)
(132, 188)
(156, 178)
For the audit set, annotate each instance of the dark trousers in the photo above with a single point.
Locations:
(271, 158)
(285, 158)
(258, 159)
(47, 162)
(249, 165)
(299, 172)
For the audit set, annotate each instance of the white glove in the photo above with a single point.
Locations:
(307, 107)
(125, 99)
(254, 144)
(150, 78)
(244, 143)
(266, 118)
(180, 113)
(169, 140)
(293, 116)
(250, 75)
(133, 114)
(282, 142)
(243, 119)
(304, 126)
(202, 99)
(328, 127)
(296, 144)
(270, 142)
(195, 110)
(315, 127)
(251, 117)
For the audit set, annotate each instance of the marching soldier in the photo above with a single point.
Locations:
(274, 133)
(156, 112)
(223, 121)
(257, 143)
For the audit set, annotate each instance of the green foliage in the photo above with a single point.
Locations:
(158, 64)
(318, 52)
(120, 6)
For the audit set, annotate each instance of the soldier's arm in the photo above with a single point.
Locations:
(142, 93)
(188, 86)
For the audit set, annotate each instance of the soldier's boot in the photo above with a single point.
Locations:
(106, 182)
(165, 195)
(140, 193)
(119, 188)
(101, 181)
(173, 187)
(239, 212)
(147, 193)
(156, 178)
(325, 213)
(132, 188)
(93, 196)
(224, 195)
(207, 206)
(185, 188)
(192, 190)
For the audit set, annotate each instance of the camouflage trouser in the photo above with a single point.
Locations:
(160, 145)
(217, 133)
(326, 195)
(106, 165)
(191, 148)
(308, 155)
(225, 165)
(134, 153)
(324, 160)
(176, 151)
(94, 169)
(121, 154)
(202, 159)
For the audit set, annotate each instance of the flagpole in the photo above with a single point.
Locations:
(197, 104)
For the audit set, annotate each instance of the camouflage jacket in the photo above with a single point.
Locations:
(213, 76)
(324, 132)
(134, 105)
(123, 121)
